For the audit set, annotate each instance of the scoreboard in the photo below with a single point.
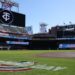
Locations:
(12, 18)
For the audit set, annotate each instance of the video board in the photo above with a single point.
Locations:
(12, 18)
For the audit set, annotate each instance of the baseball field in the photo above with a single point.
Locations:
(37, 62)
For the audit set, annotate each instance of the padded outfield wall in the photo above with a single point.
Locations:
(52, 44)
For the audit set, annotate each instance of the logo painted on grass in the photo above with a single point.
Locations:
(8, 66)
(49, 68)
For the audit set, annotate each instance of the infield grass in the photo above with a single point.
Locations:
(29, 55)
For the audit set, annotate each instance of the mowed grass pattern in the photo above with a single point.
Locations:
(29, 55)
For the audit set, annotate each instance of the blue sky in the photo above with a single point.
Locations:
(51, 12)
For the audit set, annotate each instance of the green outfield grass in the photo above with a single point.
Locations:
(29, 55)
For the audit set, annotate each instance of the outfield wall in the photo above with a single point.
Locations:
(25, 43)
(52, 44)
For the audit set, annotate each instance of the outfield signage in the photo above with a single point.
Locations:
(9, 66)
(15, 42)
(13, 37)
(66, 45)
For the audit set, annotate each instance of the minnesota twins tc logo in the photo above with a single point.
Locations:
(6, 17)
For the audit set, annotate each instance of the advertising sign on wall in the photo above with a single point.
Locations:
(66, 45)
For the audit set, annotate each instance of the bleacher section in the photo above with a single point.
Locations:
(12, 29)
(13, 37)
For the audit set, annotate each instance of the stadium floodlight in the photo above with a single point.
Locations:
(8, 4)
(1, 0)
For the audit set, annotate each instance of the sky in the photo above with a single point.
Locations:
(51, 12)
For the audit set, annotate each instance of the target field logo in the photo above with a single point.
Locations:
(8, 66)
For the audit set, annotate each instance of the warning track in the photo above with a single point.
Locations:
(58, 55)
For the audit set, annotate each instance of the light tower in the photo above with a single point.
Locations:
(43, 28)
(8, 4)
